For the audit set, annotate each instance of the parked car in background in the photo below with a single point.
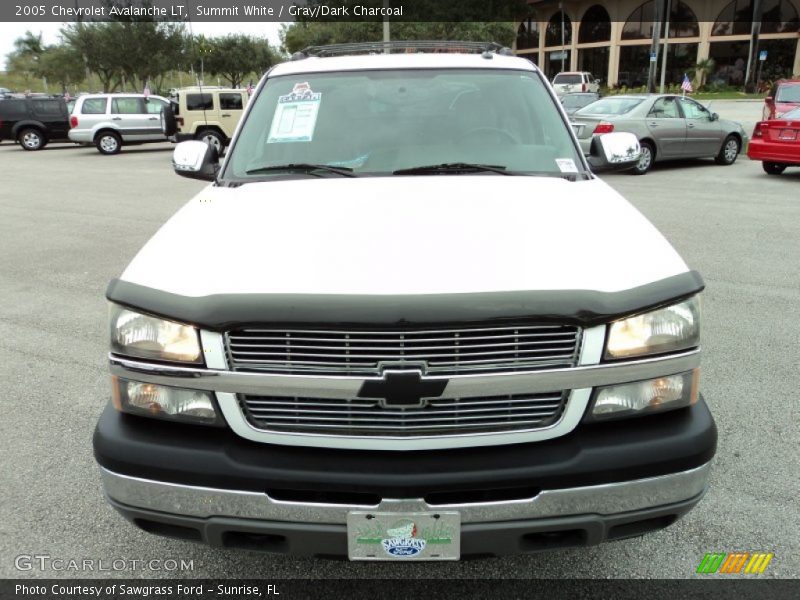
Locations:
(783, 97)
(573, 102)
(34, 121)
(206, 114)
(4, 93)
(776, 143)
(110, 121)
(568, 82)
(668, 127)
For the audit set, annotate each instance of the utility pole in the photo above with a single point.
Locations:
(666, 47)
(387, 34)
(654, 43)
(755, 31)
(563, 37)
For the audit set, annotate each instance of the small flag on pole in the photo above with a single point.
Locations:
(146, 91)
(250, 89)
(686, 86)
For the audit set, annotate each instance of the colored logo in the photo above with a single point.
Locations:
(749, 563)
(402, 539)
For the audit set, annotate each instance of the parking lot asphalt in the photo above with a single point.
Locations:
(71, 219)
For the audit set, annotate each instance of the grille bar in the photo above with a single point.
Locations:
(444, 350)
(441, 416)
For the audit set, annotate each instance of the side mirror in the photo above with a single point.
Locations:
(614, 151)
(196, 160)
(714, 116)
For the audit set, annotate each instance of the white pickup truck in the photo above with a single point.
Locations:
(405, 321)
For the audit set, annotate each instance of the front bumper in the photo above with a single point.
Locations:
(601, 482)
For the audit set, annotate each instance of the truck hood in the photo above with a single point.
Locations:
(405, 235)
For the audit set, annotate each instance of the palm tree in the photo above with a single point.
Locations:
(702, 70)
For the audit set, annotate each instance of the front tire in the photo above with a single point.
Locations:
(212, 138)
(108, 143)
(646, 159)
(31, 139)
(729, 151)
(773, 168)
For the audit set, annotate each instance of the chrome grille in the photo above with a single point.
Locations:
(440, 350)
(442, 416)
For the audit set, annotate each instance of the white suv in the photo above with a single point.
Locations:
(568, 82)
(405, 321)
(110, 121)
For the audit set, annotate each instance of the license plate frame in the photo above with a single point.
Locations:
(788, 135)
(403, 536)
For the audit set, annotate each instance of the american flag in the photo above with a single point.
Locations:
(146, 90)
(686, 86)
(250, 89)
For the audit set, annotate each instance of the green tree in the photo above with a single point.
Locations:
(24, 59)
(702, 70)
(235, 56)
(62, 64)
(129, 51)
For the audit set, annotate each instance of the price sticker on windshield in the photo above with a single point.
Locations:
(566, 165)
(295, 116)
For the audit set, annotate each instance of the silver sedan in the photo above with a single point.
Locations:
(668, 127)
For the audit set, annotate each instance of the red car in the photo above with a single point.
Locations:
(783, 97)
(776, 143)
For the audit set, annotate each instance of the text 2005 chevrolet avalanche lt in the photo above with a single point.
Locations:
(405, 322)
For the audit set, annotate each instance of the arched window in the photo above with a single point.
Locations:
(528, 34)
(595, 26)
(777, 16)
(682, 22)
(553, 34)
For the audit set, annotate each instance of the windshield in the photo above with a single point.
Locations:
(792, 114)
(564, 78)
(611, 106)
(378, 122)
(788, 93)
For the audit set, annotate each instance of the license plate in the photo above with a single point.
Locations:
(403, 536)
(788, 134)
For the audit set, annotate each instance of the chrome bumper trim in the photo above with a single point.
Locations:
(606, 499)
(458, 386)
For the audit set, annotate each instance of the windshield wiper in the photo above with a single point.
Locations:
(304, 167)
(456, 167)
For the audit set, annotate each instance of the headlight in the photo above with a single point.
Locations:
(646, 397)
(143, 336)
(668, 329)
(164, 402)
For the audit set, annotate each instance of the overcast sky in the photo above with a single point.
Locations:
(11, 31)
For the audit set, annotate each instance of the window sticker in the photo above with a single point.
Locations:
(296, 116)
(566, 165)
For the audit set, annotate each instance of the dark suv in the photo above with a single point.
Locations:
(34, 121)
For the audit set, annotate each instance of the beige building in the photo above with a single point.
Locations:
(611, 38)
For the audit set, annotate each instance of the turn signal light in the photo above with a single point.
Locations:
(604, 127)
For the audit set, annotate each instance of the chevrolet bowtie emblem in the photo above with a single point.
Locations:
(402, 389)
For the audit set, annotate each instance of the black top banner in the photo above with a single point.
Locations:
(263, 10)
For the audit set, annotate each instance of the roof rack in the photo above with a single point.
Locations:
(404, 47)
